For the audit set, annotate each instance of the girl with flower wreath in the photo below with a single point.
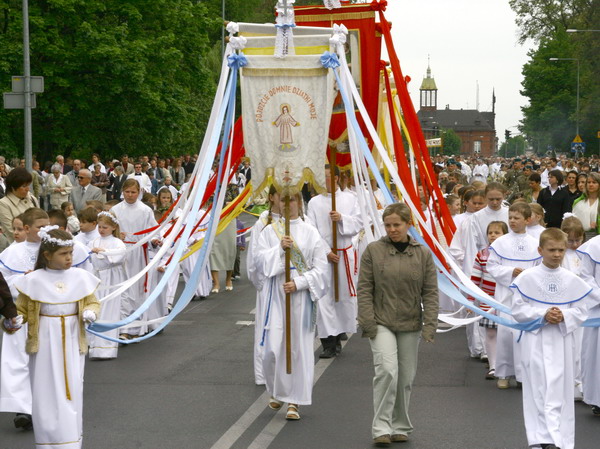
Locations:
(56, 301)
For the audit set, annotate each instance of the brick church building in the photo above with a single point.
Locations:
(476, 129)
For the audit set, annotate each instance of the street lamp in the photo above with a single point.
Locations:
(577, 110)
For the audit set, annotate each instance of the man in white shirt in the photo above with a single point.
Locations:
(480, 171)
(141, 178)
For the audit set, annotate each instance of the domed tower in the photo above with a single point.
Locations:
(428, 91)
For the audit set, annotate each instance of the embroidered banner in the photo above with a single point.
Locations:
(286, 111)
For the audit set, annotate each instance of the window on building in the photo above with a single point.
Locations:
(477, 146)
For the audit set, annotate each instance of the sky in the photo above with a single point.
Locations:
(468, 41)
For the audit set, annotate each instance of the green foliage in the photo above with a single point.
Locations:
(120, 75)
(451, 142)
(515, 146)
(551, 86)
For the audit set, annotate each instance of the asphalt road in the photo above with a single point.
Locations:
(193, 387)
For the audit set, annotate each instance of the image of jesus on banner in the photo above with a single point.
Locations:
(285, 122)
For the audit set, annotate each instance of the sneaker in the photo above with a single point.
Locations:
(503, 384)
(491, 374)
(399, 438)
(596, 410)
(343, 336)
(483, 358)
(383, 440)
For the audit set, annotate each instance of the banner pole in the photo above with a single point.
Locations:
(334, 228)
(288, 296)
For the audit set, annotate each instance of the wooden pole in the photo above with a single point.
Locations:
(288, 296)
(333, 185)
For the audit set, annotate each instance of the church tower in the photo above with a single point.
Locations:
(428, 92)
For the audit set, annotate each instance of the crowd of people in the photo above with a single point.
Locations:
(524, 233)
(527, 236)
(69, 237)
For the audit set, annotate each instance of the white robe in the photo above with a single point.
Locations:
(109, 266)
(15, 387)
(547, 356)
(134, 218)
(507, 253)
(590, 346)
(187, 266)
(58, 419)
(87, 237)
(471, 236)
(334, 318)
(535, 231)
(295, 388)
(257, 278)
(572, 262)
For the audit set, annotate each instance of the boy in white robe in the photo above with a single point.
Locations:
(309, 281)
(558, 297)
(590, 346)
(335, 318)
(470, 238)
(258, 280)
(509, 256)
(134, 216)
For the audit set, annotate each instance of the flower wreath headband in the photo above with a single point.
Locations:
(109, 215)
(45, 236)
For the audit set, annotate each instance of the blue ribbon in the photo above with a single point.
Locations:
(331, 61)
(186, 296)
(236, 61)
(285, 25)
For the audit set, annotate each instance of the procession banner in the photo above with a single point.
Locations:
(286, 112)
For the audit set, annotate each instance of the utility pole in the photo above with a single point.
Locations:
(27, 89)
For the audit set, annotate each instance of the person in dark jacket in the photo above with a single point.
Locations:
(554, 200)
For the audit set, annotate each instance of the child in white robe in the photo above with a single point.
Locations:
(471, 238)
(15, 261)
(536, 225)
(258, 280)
(590, 345)
(134, 216)
(108, 260)
(309, 282)
(88, 223)
(187, 266)
(558, 297)
(509, 256)
(56, 300)
(572, 226)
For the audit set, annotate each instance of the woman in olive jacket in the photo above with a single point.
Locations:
(397, 304)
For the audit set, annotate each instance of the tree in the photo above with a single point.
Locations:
(515, 146)
(451, 142)
(121, 75)
(550, 118)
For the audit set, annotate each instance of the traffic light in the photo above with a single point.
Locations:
(506, 134)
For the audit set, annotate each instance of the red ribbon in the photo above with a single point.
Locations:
(380, 5)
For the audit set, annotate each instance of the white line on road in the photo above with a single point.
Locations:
(245, 323)
(272, 429)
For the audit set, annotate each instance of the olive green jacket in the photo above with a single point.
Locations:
(30, 310)
(397, 290)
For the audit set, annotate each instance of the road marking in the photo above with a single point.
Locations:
(245, 323)
(272, 429)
